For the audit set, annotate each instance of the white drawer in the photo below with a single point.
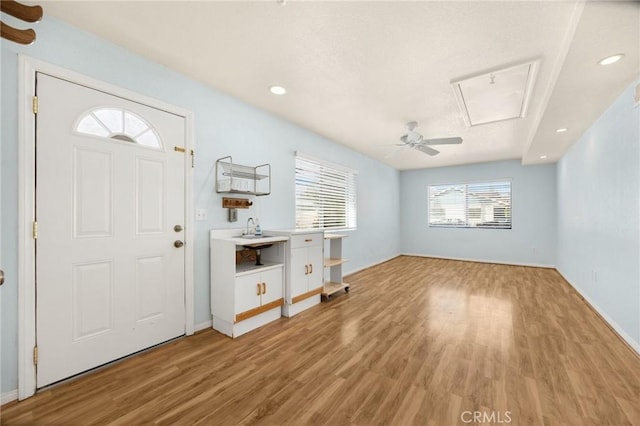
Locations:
(307, 240)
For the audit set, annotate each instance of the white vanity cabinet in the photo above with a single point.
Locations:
(258, 291)
(245, 296)
(304, 266)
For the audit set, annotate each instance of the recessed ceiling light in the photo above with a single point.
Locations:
(561, 130)
(542, 157)
(278, 90)
(611, 59)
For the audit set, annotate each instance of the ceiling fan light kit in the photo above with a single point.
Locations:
(496, 95)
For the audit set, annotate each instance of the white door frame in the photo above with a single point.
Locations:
(27, 68)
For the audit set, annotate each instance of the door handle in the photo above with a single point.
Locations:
(178, 243)
(258, 291)
(310, 268)
(306, 269)
(178, 228)
(264, 288)
(1, 277)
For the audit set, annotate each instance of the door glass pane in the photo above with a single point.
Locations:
(112, 118)
(89, 125)
(118, 124)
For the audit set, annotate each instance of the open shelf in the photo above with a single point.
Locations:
(233, 178)
(334, 236)
(245, 268)
(329, 262)
(240, 171)
(238, 191)
(334, 263)
(331, 288)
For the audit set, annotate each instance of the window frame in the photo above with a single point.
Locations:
(350, 194)
(466, 184)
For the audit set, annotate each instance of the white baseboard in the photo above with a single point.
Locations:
(619, 331)
(351, 272)
(202, 325)
(466, 259)
(7, 397)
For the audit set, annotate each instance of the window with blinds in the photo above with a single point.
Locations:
(471, 205)
(325, 195)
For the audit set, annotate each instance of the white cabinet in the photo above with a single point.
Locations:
(303, 270)
(245, 296)
(258, 291)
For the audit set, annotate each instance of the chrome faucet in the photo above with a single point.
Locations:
(253, 223)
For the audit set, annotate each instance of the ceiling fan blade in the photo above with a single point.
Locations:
(427, 150)
(443, 141)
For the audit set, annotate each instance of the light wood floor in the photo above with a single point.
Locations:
(417, 341)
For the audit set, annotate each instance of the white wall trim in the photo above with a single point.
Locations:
(203, 325)
(26, 244)
(8, 397)
(614, 326)
(371, 265)
(27, 68)
(497, 262)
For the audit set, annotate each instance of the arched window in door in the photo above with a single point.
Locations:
(118, 124)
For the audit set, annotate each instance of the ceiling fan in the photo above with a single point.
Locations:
(415, 140)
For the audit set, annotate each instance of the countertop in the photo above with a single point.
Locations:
(239, 241)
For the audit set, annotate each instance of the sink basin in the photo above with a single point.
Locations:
(254, 237)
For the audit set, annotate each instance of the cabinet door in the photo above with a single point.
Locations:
(247, 293)
(273, 282)
(315, 258)
(299, 271)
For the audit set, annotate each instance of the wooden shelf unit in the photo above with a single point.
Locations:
(334, 262)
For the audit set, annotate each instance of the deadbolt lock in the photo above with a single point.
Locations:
(178, 243)
(1, 277)
(178, 228)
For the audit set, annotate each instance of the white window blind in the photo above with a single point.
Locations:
(325, 195)
(471, 205)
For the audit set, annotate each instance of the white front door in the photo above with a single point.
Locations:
(110, 188)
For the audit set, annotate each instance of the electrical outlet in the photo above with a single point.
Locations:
(201, 214)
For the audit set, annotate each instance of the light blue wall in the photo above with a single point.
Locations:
(532, 240)
(598, 215)
(223, 126)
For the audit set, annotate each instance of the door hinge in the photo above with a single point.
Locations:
(193, 156)
(35, 104)
(35, 230)
(179, 148)
(35, 355)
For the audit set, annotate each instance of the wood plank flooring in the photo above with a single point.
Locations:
(416, 341)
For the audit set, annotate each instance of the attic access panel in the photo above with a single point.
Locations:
(497, 95)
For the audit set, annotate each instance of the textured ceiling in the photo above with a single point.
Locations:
(355, 72)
